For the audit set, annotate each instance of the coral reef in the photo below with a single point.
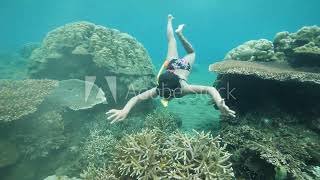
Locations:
(275, 134)
(26, 50)
(54, 177)
(260, 150)
(77, 94)
(39, 134)
(19, 98)
(97, 148)
(255, 50)
(12, 66)
(151, 154)
(8, 153)
(162, 119)
(84, 49)
(265, 71)
(301, 48)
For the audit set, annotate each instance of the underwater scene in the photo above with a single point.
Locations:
(161, 89)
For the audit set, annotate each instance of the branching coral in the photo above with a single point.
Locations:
(151, 154)
(197, 157)
(97, 148)
(20, 98)
(140, 155)
(163, 120)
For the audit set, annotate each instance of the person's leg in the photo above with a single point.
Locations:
(186, 44)
(172, 43)
(190, 57)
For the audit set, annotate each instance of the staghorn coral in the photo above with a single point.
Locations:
(84, 49)
(97, 173)
(20, 98)
(139, 155)
(151, 154)
(197, 157)
(255, 50)
(163, 120)
(97, 148)
(54, 177)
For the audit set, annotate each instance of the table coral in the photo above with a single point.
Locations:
(20, 98)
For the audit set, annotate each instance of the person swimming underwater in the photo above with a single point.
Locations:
(173, 83)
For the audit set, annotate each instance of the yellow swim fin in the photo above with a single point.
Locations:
(164, 102)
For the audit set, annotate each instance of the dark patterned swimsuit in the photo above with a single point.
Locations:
(179, 64)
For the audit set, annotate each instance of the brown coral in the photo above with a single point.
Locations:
(20, 98)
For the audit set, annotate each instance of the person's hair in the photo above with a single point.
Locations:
(169, 86)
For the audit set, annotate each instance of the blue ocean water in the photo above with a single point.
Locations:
(213, 26)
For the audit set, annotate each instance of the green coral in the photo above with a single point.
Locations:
(163, 120)
(151, 154)
(20, 98)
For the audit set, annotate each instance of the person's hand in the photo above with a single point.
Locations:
(225, 110)
(115, 115)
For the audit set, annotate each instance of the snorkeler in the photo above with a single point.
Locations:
(173, 83)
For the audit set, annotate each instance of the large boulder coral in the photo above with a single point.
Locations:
(84, 49)
(254, 50)
(19, 98)
(301, 48)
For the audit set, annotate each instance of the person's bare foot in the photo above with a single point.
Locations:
(180, 28)
(170, 17)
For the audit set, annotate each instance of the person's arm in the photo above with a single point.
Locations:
(116, 115)
(197, 89)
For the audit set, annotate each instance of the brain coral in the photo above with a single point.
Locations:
(19, 98)
(84, 49)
